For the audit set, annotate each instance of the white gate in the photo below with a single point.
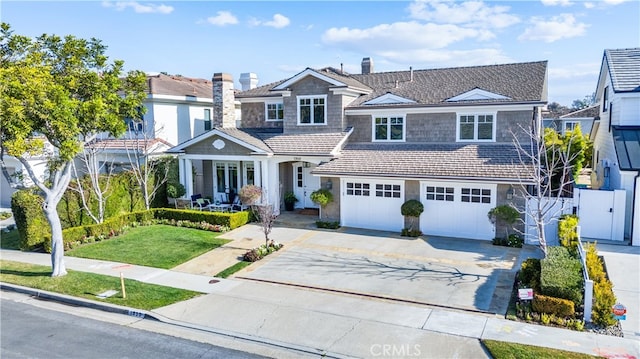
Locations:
(601, 213)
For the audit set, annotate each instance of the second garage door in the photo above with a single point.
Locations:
(371, 204)
(455, 209)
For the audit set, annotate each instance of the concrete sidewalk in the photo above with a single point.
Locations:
(335, 324)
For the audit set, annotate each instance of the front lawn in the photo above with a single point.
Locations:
(505, 350)
(87, 285)
(10, 239)
(159, 246)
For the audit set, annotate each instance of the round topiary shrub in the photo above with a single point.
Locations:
(175, 190)
(412, 209)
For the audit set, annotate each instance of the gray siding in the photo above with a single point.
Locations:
(311, 86)
(253, 116)
(332, 211)
(513, 121)
(436, 127)
(411, 191)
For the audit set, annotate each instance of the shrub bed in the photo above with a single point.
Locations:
(561, 275)
(328, 224)
(32, 225)
(603, 296)
(256, 254)
(556, 306)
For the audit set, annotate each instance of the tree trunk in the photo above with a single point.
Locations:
(58, 268)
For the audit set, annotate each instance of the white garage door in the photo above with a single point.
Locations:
(372, 204)
(455, 209)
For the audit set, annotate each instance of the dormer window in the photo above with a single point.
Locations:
(274, 111)
(476, 127)
(388, 128)
(312, 110)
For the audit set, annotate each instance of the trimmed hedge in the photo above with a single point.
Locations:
(556, 306)
(603, 296)
(561, 275)
(231, 220)
(33, 227)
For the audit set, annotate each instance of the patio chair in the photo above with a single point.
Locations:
(237, 206)
(201, 203)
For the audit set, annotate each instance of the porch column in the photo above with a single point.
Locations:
(264, 183)
(274, 186)
(188, 177)
(181, 174)
(257, 171)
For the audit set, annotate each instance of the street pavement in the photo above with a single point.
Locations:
(335, 323)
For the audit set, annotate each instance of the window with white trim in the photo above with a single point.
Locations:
(476, 195)
(207, 119)
(439, 193)
(570, 125)
(274, 111)
(388, 190)
(476, 127)
(312, 110)
(358, 189)
(605, 99)
(388, 128)
(134, 125)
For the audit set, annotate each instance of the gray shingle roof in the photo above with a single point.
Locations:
(520, 82)
(589, 112)
(624, 69)
(492, 161)
(274, 141)
(179, 86)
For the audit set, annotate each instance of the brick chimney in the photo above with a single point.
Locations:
(223, 101)
(248, 81)
(367, 66)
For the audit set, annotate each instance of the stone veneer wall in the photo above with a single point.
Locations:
(223, 101)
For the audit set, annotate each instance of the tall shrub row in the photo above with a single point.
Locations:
(603, 296)
(33, 227)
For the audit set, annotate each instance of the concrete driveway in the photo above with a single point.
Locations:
(447, 272)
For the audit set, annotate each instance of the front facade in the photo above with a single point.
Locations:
(375, 140)
(616, 133)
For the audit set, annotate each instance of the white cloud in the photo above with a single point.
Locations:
(469, 13)
(425, 58)
(279, 21)
(556, 3)
(402, 36)
(563, 26)
(222, 18)
(575, 71)
(589, 5)
(138, 7)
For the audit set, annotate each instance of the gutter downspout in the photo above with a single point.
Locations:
(633, 206)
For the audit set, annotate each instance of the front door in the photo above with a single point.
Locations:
(304, 183)
(226, 181)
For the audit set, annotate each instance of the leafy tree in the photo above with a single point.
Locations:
(573, 143)
(587, 101)
(506, 214)
(55, 94)
(549, 165)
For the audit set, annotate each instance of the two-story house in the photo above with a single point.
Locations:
(616, 134)
(441, 136)
(582, 118)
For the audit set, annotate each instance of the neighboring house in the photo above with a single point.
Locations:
(441, 136)
(616, 134)
(583, 118)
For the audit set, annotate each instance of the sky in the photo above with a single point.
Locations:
(277, 39)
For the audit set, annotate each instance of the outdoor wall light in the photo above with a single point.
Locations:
(328, 185)
(510, 193)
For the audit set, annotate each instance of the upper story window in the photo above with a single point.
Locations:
(605, 99)
(207, 119)
(134, 125)
(312, 110)
(570, 126)
(476, 127)
(388, 128)
(274, 111)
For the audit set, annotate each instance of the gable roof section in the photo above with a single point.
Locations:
(273, 141)
(624, 69)
(232, 134)
(328, 75)
(477, 94)
(443, 161)
(152, 145)
(588, 112)
(388, 98)
(627, 144)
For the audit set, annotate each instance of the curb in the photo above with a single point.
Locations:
(144, 314)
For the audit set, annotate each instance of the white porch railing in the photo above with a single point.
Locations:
(588, 283)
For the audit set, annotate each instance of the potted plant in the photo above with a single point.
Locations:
(290, 200)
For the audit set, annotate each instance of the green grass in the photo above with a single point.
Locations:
(504, 350)
(10, 240)
(88, 285)
(157, 246)
(233, 269)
